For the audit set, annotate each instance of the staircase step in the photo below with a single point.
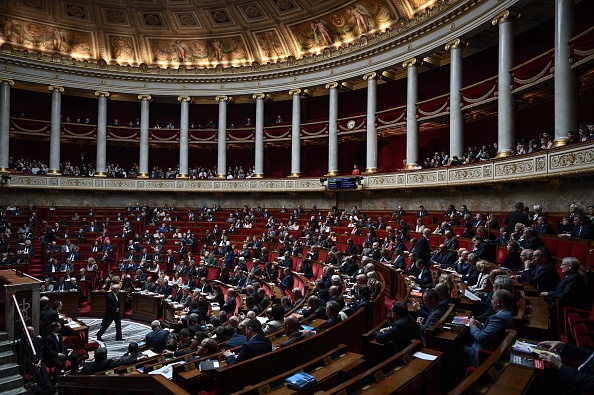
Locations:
(5, 345)
(6, 357)
(15, 391)
(11, 382)
(3, 336)
(9, 369)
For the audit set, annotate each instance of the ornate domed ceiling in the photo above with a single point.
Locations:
(200, 33)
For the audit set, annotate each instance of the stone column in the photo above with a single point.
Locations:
(222, 139)
(371, 166)
(456, 48)
(506, 106)
(333, 130)
(56, 124)
(296, 133)
(259, 149)
(183, 136)
(412, 126)
(101, 161)
(5, 85)
(565, 79)
(144, 136)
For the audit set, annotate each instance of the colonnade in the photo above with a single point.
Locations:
(565, 109)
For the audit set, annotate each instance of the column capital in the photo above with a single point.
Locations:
(56, 88)
(145, 97)
(506, 16)
(370, 76)
(102, 94)
(457, 43)
(331, 85)
(224, 98)
(259, 96)
(6, 81)
(184, 98)
(294, 92)
(413, 62)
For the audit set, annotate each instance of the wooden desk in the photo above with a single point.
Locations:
(98, 303)
(69, 301)
(146, 308)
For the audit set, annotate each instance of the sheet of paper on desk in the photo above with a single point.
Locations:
(470, 295)
(149, 353)
(166, 371)
(425, 356)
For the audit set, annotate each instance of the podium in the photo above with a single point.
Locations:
(26, 289)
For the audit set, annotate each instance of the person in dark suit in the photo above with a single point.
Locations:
(234, 339)
(231, 304)
(571, 290)
(472, 274)
(442, 258)
(489, 335)
(156, 339)
(581, 230)
(402, 331)
(131, 356)
(517, 216)
(424, 274)
(332, 312)
(56, 353)
(483, 249)
(256, 345)
(100, 363)
(112, 313)
(287, 281)
(293, 332)
(545, 276)
(421, 212)
(436, 311)
(422, 248)
(562, 378)
(34, 364)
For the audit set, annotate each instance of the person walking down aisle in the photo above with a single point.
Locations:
(112, 313)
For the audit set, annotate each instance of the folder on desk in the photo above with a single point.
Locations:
(300, 381)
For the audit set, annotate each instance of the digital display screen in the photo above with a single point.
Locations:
(342, 183)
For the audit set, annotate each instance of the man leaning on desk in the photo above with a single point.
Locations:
(562, 378)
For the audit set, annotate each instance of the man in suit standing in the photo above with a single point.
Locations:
(56, 353)
(517, 216)
(256, 345)
(422, 249)
(112, 313)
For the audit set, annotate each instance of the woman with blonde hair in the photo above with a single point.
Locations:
(483, 283)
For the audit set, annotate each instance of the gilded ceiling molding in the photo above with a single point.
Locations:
(370, 76)
(294, 92)
(260, 96)
(223, 98)
(145, 97)
(6, 81)
(506, 16)
(56, 88)
(184, 98)
(331, 85)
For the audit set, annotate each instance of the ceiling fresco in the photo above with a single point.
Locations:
(197, 33)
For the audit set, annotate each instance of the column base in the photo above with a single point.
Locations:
(370, 170)
(560, 142)
(222, 175)
(294, 175)
(184, 176)
(332, 173)
(258, 175)
(4, 170)
(410, 166)
(142, 175)
(100, 174)
(54, 172)
(504, 153)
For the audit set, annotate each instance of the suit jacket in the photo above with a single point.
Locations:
(256, 346)
(492, 334)
(434, 316)
(444, 259)
(331, 322)
(112, 305)
(94, 367)
(545, 277)
(572, 292)
(422, 249)
(235, 341)
(400, 333)
(514, 217)
(471, 276)
(424, 277)
(157, 340)
(583, 232)
(230, 306)
(582, 379)
(451, 244)
(287, 283)
(52, 346)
